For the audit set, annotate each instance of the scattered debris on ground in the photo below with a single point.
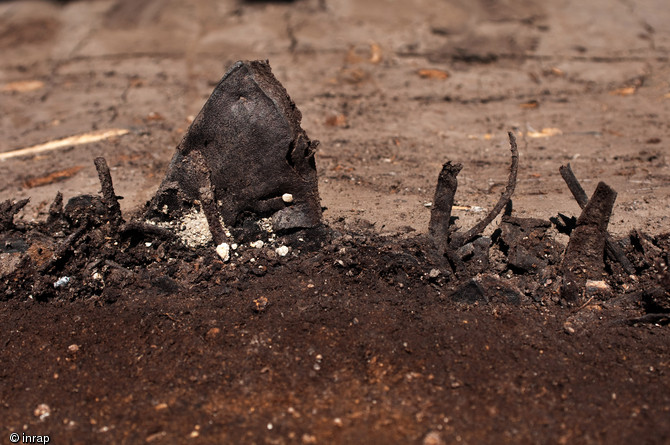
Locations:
(235, 234)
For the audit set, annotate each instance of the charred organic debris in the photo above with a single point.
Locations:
(240, 200)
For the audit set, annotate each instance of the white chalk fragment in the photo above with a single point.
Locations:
(597, 285)
(63, 281)
(223, 250)
(287, 198)
(282, 250)
(266, 224)
(42, 411)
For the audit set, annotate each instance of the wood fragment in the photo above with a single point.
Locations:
(63, 249)
(109, 198)
(586, 249)
(207, 200)
(70, 141)
(55, 209)
(661, 319)
(433, 74)
(614, 251)
(147, 229)
(8, 209)
(22, 86)
(58, 176)
(502, 202)
(574, 185)
(440, 213)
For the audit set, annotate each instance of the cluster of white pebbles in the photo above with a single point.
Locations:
(193, 230)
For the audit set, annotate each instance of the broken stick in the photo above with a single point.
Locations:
(613, 249)
(70, 141)
(109, 198)
(584, 255)
(440, 213)
(8, 209)
(502, 202)
(55, 209)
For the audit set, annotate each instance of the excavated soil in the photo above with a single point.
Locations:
(115, 333)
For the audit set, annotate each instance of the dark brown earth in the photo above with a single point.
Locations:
(362, 333)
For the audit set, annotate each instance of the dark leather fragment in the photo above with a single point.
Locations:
(247, 148)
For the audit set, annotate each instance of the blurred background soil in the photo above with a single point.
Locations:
(391, 89)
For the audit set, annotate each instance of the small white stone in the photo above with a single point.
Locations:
(233, 246)
(257, 244)
(597, 285)
(147, 244)
(42, 411)
(287, 198)
(63, 281)
(282, 250)
(223, 250)
(73, 348)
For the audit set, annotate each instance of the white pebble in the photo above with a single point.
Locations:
(282, 250)
(287, 198)
(42, 411)
(223, 250)
(257, 244)
(63, 281)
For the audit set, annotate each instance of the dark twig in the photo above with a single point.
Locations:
(147, 229)
(440, 213)
(208, 202)
(8, 210)
(584, 255)
(55, 209)
(212, 215)
(64, 248)
(109, 198)
(651, 318)
(613, 250)
(573, 184)
(502, 202)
